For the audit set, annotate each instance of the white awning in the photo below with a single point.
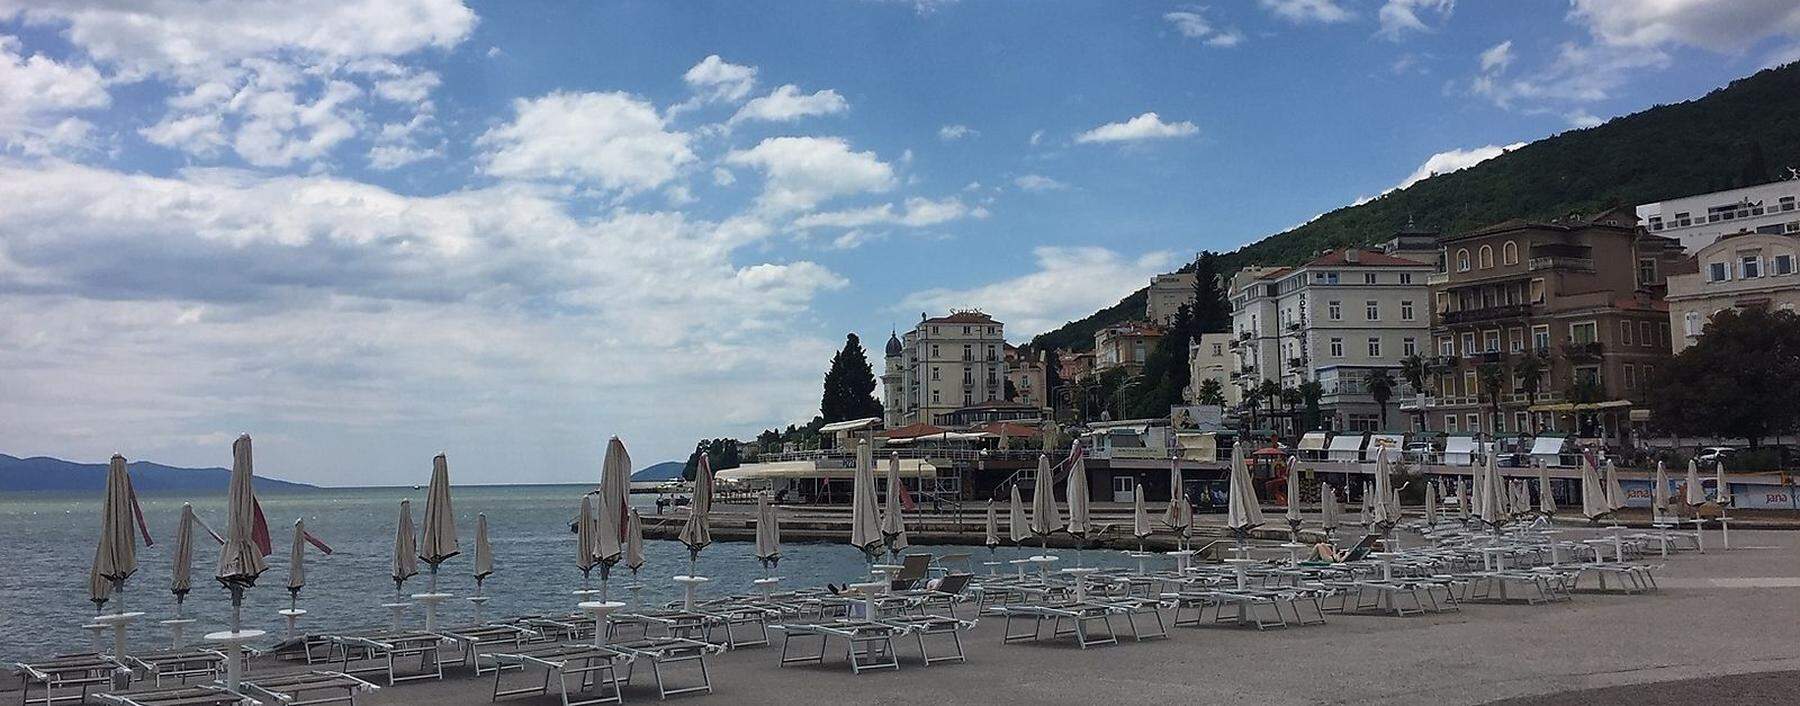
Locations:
(1347, 442)
(851, 425)
(1459, 445)
(1547, 446)
(1313, 441)
(1394, 442)
(909, 468)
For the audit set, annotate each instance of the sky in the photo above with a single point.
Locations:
(367, 231)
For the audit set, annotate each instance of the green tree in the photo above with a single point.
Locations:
(1415, 370)
(1491, 377)
(720, 453)
(1211, 312)
(1738, 381)
(849, 385)
(1381, 387)
(1210, 392)
(1530, 369)
(1310, 393)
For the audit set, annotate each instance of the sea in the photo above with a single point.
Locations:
(47, 544)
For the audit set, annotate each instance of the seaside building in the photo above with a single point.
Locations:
(1125, 345)
(1027, 372)
(1737, 271)
(1334, 320)
(1577, 301)
(1210, 358)
(944, 364)
(1166, 295)
(1075, 365)
(1697, 221)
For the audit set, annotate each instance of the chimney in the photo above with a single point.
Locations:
(1352, 255)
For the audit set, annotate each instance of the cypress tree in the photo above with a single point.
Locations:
(849, 385)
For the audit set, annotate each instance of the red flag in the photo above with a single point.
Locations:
(259, 532)
(310, 539)
(906, 498)
(136, 509)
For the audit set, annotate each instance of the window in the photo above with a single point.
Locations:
(1443, 302)
(1683, 219)
(1449, 386)
(968, 376)
(1645, 335)
(1517, 338)
(1409, 346)
(968, 398)
(1630, 376)
(1752, 265)
(1474, 423)
(1537, 292)
(1372, 310)
(1540, 337)
(1368, 278)
(1334, 310)
(935, 398)
(1218, 349)
(1462, 260)
(965, 330)
(1469, 384)
(1584, 332)
(934, 373)
(1509, 253)
(1718, 271)
(1624, 333)
(1374, 347)
(1485, 258)
(1691, 323)
(1782, 265)
(1646, 270)
(1406, 310)
(1468, 343)
(1406, 278)
(1450, 422)
(1785, 203)
(1490, 341)
(1520, 421)
(934, 351)
(1337, 347)
(968, 352)
(1499, 425)
(1447, 347)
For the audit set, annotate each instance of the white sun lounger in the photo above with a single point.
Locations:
(386, 649)
(921, 626)
(80, 671)
(661, 652)
(185, 695)
(308, 688)
(1066, 619)
(179, 664)
(867, 644)
(475, 640)
(592, 665)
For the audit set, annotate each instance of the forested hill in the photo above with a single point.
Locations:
(1745, 133)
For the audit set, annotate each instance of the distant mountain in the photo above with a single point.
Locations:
(1745, 133)
(667, 470)
(42, 473)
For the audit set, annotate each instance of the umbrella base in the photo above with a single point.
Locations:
(690, 584)
(233, 643)
(431, 601)
(176, 627)
(293, 618)
(118, 622)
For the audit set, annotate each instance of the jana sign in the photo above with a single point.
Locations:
(1200, 417)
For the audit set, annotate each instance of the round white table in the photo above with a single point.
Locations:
(398, 608)
(993, 566)
(1724, 530)
(1238, 567)
(599, 610)
(431, 601)
(869, 590)
(1293, 550)
(1043, 562)
(176, 627)
(1183, 559)
(1080, 573)
(292, 615)
(767, 585)
(118, 622)
(480, 604)
(233, 644)
(689, 585)
(1141, 558)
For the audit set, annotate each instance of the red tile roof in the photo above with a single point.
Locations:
(1364, 258)
(911, 431)
(962, 317)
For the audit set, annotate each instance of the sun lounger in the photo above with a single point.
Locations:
(949, 591)
(312, 648)
(662, 652)
(913, 570)
(669, 622)
(476, 639)
(1248, 608)
(80, 671)
(307, 688)
(868, 644)
(185, 695)
(922, 626)
(592, 665)
(385, 650)
(178, 664)
(1066, 619)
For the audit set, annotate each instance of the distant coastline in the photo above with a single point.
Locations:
(39, 474)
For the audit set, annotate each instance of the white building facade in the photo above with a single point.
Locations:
(944, 364)
(1699, 220)
(1734, 272)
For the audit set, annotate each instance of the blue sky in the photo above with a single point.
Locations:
(369, 231)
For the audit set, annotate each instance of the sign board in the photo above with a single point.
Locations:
(1200, 417)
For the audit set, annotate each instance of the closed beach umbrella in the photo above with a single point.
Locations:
(1140, 515)
(1365, 513)
(865, 516)
(181, 574)
(1463, 500)
(1081, 522)
(634, 542)
(1328, 507)
(1017, 527)
(607, 547)
(1546, 498)
(1696, 496)
(1721, 489)
(768, 533)
(1385, 513)
(115, 558)
(1493, 492)
(406, 548)
(696, 533)
(992, 538)
(1293, 493)
(438, 542)
(615, 487)
(1431, 503)
(1659, 493)
(1242, 511)
(240, 560)
(1046, 517)
(484, 552)
(1615, 495)
(1594, 503)
(1179, 515)
(297, 559)
(586, 535)
(893, 517)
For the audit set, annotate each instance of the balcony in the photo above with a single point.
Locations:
(1560, 262)
(1437, 278)
(1296, 363)
(1488, 357)
(1487, 313)
(1443, 362)
(1583, 352)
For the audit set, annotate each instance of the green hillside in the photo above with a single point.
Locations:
(1745, 133)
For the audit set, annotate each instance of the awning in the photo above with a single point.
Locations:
(1347, 442)
(850, 425)
(1581, 406)
(941, 436)
(909, 468)
(1392, 441)
(1547, 446)
(1313, 441)
(1459, 445)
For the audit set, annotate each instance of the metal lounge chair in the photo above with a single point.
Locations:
(184, 695)
(592, 665)
(178, 664)
(868, 644)
(476, 639)
(1066, 619)
(922, 626)
(308, 688)
(385, 650)
(662, 652)
(79, 671)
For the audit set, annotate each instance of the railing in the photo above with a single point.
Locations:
(1560, 262)
(1590, 350)
(1487, 313)
(1437, 278)
(929, 454)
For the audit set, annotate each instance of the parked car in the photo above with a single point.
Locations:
(1714, 454)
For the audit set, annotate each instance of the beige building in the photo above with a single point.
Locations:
(1735, 272)
(1166, 295)
(944, 364)
(1026, 370)
(1125, 345)
(1210, 358)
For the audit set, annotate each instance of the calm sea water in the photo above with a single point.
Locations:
(47, 544)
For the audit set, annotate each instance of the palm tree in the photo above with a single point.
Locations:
(1381, 387)
(1414, 370)
(1529, 368)
(1492, 379)
(1211, 392)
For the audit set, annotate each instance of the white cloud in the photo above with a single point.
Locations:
(1038, 182)
(37, 94)
(1453, 160)
(1148, 126)
(787, 104)
(723, 176)
(1723, 27)
(916, 212)
(202, 135)
(1042, 299)
(386, 326)
(1193, 24)
(1301, 11)
(715, 79)
(952, 133)
(1399, 17)
(1497, 58)
(612, 140)
(1580, 118)
(802, 172)
(1578, 74)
